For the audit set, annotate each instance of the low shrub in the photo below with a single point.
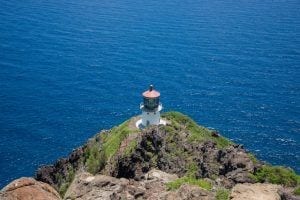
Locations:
(130, 148)
(114, 139)
(277, 175)
(65, 182)
(297, 191)
(222, 194)
(98, 152)
(198, 133)
(253, 158)
(96, 160)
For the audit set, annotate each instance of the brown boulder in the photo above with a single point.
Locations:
(87, 186)
(28, 189)
(257, 191)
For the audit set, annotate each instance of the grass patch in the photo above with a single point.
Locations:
(130, 148)
(222, 194)
(101, 148)
(64, 182)
(96, 160)
(192, 170)
(253, 158)
(277, 175)
(114, 139)
(63, 189)
(198, 133)
(188, 180)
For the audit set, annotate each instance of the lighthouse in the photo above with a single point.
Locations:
(150, 108)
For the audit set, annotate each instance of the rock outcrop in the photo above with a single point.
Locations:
(257, 191)
(261, 191)
(87, 186)
(175, 154)
(62, 169)
(28, 189)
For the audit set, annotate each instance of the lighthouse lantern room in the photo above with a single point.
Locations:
(151, 108)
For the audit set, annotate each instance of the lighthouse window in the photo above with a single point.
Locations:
(151, 103)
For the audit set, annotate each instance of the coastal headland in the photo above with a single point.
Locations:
(179, 160)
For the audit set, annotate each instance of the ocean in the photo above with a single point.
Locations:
(71, 68)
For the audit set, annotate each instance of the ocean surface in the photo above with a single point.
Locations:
(71, 68)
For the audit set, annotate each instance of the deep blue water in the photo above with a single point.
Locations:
(71, 68)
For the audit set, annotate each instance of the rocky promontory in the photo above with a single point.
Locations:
(181, 160)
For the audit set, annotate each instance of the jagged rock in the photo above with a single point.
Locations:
(28, 189)
(257, 191)
(287, 194)
(167, 148)
(87, 186)
(49, 173)
(232, 162)
(236, 164)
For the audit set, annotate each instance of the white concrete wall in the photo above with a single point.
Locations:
(150, 117)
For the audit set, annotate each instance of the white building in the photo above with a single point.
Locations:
(151, 108)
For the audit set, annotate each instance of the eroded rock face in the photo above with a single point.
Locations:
(168, 148)
(164, 177)
(174, 154)
(257, 191)
(62, 167)
(287, 194)
(28, 189)
(87, 186)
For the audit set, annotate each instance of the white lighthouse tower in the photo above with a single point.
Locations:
(151, 108)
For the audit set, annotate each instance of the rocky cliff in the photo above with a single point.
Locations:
(181, 160)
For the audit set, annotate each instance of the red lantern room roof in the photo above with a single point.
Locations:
(151, 93)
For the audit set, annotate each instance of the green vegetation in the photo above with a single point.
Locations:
(63, 189)
(65, 182)
(104, 146)
(277, 175)
(222, 194)
(113, 141)
(71, 175)
(198, 133)
(130, 148)
(192, 170)
(253, 158)
(96, 160)
(60, 181)
(188, 180)
(297, 191)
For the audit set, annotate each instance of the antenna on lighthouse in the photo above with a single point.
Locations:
(151, 87)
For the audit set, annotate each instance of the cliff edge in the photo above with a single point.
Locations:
(181, 160)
